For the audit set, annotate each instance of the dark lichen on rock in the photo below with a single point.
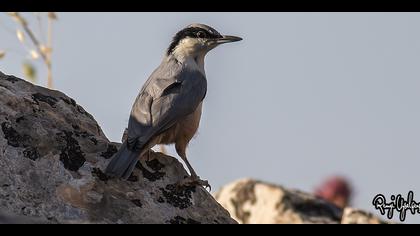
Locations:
(101, 175)
(84, 134)
(154, 165)
(178, 196)
(79, 108)
(110, 151)
(19, 119)
(182, 220)
(12, 78)
(71, 154)
(69, 101)
(31, 153)
(83, 111)
(93, 140)
(39, 97)
(137, 202)
(133, 178)
(13, 138)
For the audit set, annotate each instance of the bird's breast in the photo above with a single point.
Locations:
(184, 130)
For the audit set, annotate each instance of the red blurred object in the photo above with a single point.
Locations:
(335, 189)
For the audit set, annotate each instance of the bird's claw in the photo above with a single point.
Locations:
(205, 184)
(194, 181)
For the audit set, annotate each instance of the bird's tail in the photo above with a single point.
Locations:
(122, 163)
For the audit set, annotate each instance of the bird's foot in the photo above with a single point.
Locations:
(194, 181)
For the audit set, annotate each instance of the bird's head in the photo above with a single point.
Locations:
(197, 39)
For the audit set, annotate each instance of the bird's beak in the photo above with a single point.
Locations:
(228, 39)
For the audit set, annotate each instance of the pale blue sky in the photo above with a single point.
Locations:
(302, 97)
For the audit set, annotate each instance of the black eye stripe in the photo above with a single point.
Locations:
(202, 34)
(192, 32)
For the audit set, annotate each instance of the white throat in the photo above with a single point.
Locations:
(186, 54)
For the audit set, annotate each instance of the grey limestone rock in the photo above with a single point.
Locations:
(52, 157)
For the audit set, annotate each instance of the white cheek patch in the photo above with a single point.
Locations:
(189, 51)
(188, 47)
(189, 43)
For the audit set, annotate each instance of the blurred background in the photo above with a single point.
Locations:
(305, 96)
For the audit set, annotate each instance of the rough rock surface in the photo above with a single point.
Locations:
(52, 153)
(356, 216)
(8, 218)
(255, 202)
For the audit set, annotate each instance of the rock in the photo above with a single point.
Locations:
(251, 201)
(7, 218)
(255, 202)
(52, 157)
(356, 216)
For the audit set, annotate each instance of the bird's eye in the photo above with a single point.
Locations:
(201, 34)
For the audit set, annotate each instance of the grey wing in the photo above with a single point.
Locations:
(153, 115)
(140, 122)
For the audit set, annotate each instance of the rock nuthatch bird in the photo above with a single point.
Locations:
(168, 107)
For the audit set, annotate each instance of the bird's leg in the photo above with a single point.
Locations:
(148, 154)
(144, 158)
(194, 179)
